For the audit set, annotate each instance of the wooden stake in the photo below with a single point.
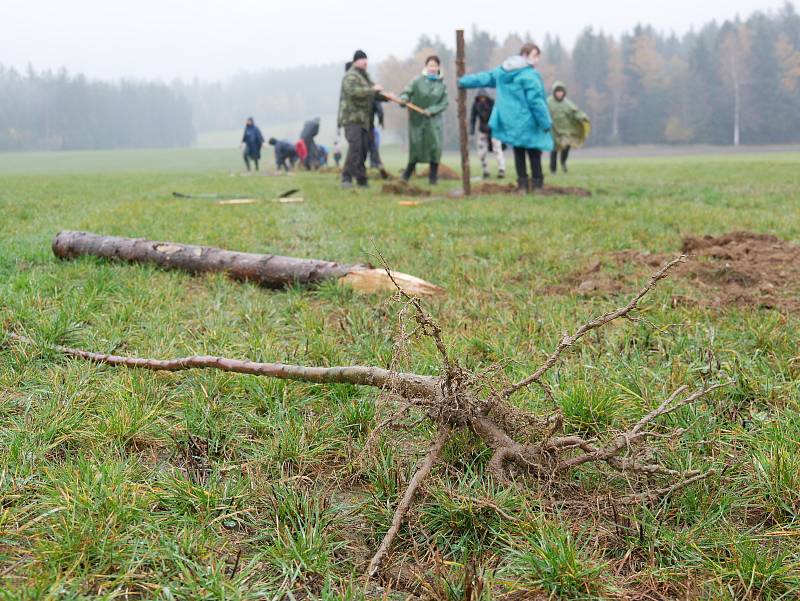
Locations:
(462, 114)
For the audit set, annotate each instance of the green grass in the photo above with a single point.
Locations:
(201, 485)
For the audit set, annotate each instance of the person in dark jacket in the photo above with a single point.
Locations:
(480, 113)
(310, 131)
(252, 141)
(520, 117)
(356, 101)
(285, 154)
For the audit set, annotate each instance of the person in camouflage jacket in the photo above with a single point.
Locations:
(355, 116)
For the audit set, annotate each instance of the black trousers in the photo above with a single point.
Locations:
(554, 158)
(533, 155)
(247, 159)
(357, 148)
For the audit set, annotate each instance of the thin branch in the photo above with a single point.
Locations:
(626, 440)
(660, 493)
(424, 470)
(567, 341)
(428, 324)
(409, 385)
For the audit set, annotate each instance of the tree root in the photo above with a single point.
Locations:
(453, 400)
(408, 498)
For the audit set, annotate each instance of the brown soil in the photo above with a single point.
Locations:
(743, 269)
(511, 188)
(404, 189)
(445, 173)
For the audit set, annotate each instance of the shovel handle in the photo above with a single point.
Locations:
(401, 102)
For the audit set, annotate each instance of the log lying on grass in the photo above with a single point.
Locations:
(273, 271)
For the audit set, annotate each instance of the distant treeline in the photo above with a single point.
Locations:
(59, 111)
(270, 96)
(738, 81)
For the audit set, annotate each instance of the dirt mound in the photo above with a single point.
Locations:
(563, 191)
(445, 173)
(743, 269)
(693, 244)
(494, 188)
(511, 188)
(403, 189)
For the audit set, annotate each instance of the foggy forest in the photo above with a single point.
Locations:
(725, 83)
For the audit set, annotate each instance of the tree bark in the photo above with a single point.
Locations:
(462, 114)
(273, 271)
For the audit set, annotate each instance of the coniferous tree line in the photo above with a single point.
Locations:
(60, 111)
(729, 83)
(726, 83)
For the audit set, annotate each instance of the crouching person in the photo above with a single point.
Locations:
(285, 154)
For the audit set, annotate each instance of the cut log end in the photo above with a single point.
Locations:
(377, 280)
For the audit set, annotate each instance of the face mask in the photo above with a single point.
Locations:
(432, 77)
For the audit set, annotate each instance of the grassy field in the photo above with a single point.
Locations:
(203, 485)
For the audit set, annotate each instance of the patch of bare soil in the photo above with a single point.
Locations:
(404, 189)
(445, 173)
(547, 190)
(736, 269)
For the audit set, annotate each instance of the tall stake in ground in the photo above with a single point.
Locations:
(462, 113)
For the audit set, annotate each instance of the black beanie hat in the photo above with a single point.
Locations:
(359, 54)
(272, 142)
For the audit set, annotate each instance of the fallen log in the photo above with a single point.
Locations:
(272, 271)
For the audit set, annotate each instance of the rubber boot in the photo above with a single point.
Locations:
(522, 185)
(433, 176)
(538, 183)
(409, 171)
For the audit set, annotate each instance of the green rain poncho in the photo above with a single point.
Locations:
(425, 133)
(570, 124)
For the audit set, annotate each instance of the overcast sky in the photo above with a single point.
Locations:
(213, 39)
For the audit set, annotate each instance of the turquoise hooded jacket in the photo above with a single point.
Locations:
(520, 117)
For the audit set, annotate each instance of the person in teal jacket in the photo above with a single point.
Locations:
(520, 117)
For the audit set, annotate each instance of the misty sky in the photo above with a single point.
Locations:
(213, 39)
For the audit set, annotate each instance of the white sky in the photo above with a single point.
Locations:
(212, 39)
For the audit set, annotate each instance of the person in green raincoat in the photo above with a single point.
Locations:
(570, 126)
(425, 131)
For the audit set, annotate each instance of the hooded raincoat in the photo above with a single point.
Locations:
(253, 140)
(520, 117)
(570, 124)
(425, 134)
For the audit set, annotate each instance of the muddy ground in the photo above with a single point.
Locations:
(744, 269)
